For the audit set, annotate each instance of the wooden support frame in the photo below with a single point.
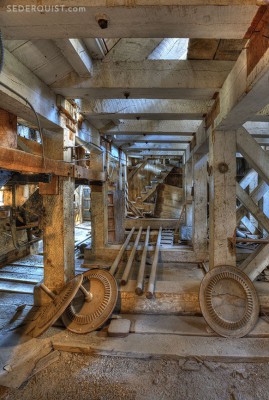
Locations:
(17, 160)
(247, 201)
(152, 278)
(222, 198)
(256, 195)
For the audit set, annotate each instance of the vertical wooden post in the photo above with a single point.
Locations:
(59, 245)
(59, 242)
(199, 233)
(98, 208)
(252, 186)
(222, 197)
(188, 181)
(8, 129)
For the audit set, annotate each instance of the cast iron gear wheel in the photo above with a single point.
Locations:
(82, 316)
(229, 301)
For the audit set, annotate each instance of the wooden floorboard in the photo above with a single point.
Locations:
(165, 346)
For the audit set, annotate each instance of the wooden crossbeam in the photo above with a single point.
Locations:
(136, 170)
(17, 160)
(247, 201)
(253, 153)
(256, 195)
(256, 262)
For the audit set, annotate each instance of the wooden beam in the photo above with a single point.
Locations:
(8, 129)
(16, 160)
(200, 223)
(129, 109)
(248, 224)
(255, 263)
(171, 19)
(21, 79)
(136, 170)
(245, 181)
(253, 208)
(152, 79)
(115, 264)
(256, 195)
(253, 153)
(140, 278)
(222, 197)
(77, 55)
(129, 264)
(153, 272)
(244, 92)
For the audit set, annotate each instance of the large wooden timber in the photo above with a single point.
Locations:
(200, 224)
(17, 160)
(253, 153)
(8, 129)
(249, 203)
(193, 19)
(222, 197)
(256, 262)
(151, 79)
(153, 222)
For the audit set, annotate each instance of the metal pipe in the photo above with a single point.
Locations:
(152, 278)
(128, 267)
(88, 145)
(115, 264)
(140, 278)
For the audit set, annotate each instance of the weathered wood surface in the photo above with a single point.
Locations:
(18, 160)
(174, 347)
(247, 201)
(222, 198)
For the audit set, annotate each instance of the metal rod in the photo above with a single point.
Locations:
(48, 291)
(152, 278)
(129, 264)
(140, 278)
(88, 295)
(115, 264)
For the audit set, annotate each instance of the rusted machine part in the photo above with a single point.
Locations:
(229, 301)
(49, 313)
(89, 311)
(129, 264)
(152, 278)
(115, 264)
(140, 278)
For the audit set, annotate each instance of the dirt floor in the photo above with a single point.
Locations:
(84, 377)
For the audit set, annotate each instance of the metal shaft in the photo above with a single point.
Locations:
(115, 264)
(140, 278)
(48, 291)
(128, 267)
(88, 295)
(152, 278)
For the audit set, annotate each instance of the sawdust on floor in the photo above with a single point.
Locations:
(85, 377)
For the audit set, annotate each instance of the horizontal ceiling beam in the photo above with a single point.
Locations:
(149, 79)
(77, 55)
(257, 128)
(154, 19)
(155, 127)
(19, 78)
(151, 139)
(145, 153)
(135, 109)
(175, 147)
(245, 91)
